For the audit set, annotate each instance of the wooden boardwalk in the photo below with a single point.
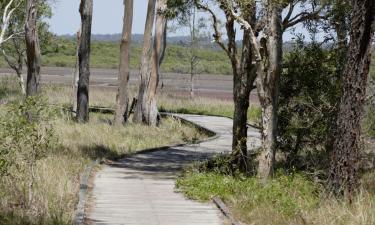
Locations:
(140, 189)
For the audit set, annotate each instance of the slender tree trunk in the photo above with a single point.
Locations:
(347, 143)
(76, 77)
(85, 9)
(163, 52)
(140, 109)
(32, 49)
(243, 79)
(124, 69)
(17, 67)
(268, 95)
(21, 82)
(193, 57)
(151, 107)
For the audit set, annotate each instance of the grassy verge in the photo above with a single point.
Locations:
(285, 200)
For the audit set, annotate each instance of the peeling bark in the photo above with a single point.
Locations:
(268, 90)
(124, 69)
(32, 49)
(140, 112)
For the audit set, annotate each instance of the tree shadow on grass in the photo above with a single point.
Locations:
(99, 152)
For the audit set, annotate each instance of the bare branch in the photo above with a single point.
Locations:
(217, 36)
(302, 17)
(247, 26)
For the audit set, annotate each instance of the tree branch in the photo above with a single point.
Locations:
(303, 16)
(217, 35)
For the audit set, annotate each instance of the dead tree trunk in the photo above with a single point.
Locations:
(347, 143)
(124, 69)
(32, 49)
(140, 109)
(268, 88)
(76, 77)
(85, 9)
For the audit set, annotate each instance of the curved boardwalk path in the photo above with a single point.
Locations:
(139, 189)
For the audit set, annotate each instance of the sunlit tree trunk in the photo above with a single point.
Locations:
(140, 112)
(85, 9)
(268, 89)
(347, 143)
(32, 49)
(124, 69)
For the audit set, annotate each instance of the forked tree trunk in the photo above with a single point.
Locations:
(76, 78)
(85, 10)
(32, 49)
(347, 143)
(160, 23)
(269, 91)
(140, 109)
(124, 69)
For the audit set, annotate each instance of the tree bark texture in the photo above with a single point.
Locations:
(85, 9)
(244, 75)
(124, 69)
(32, 49)
(76, 77)
(268, 89)
(151, 107)
(347, 143)
(140, 112)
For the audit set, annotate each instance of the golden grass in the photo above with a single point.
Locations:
(101, 96)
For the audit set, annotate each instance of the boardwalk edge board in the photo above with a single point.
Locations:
(225, 211)
(83, 189)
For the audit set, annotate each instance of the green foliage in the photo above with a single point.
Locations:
(25, 137)
(287, 194)
(309, 90)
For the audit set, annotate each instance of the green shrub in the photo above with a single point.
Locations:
(309, 92)
(25, 137)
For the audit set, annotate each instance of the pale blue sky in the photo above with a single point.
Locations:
(107, 18)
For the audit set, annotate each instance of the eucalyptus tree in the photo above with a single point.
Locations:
(261, 56)
(32, 48)
(347, 142)
(124, 69)
(244, 72)
(85, 9)
(14, 50)
(140, 113)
